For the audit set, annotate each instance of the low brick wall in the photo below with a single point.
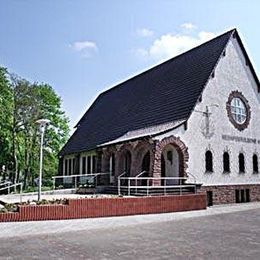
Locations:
(106, 207)
(223, 194)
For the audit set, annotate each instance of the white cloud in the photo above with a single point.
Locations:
(144, 32)
(188, 26)
(170, 45)
(87, 48)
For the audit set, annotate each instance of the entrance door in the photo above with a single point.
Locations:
(171, 164)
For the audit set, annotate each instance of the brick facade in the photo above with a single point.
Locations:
(107, 207)
(138, 149)
(223, 194)
(180, 147)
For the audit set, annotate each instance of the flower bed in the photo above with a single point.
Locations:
(106, 207)
(13, 207)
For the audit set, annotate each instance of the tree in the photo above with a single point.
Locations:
(32, 102)
(6, 108)
(21, 105)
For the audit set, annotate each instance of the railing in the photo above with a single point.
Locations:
(191, 175)
(119, 182)
(94, 178)
(136, 177)
(14, 185)
(5, 183)
(194, 179)
(164, 183)
(69, 178)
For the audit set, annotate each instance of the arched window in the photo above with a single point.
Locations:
(226, 162)
(209, 161)
(241, 160)
(255, 164)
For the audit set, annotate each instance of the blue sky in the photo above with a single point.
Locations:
(84, 47)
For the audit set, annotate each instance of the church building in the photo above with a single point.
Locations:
(192, 119)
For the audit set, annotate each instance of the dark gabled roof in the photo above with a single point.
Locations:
(164, 93)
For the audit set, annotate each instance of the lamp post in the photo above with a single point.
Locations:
(42, 126)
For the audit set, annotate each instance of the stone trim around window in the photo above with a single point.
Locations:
(237, 94)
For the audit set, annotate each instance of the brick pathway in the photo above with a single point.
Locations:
(221, 232)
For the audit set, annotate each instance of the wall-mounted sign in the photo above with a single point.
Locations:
(240, 139)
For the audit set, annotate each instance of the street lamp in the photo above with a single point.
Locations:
(42, 126)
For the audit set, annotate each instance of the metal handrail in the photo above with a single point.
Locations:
(119, 182)
(121, 175)
(190, 174)
(14, 185)
(98, 174)
(138, 175)
(77, 175)
(5, 183)
(148, 186)
(156, 178)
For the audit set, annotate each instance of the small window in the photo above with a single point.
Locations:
(209, 161)
(255, 164)
(241, 160)
(226, 162)
(237, 196)
(242, 193)
(247, 195)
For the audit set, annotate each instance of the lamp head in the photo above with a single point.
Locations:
(42, 124)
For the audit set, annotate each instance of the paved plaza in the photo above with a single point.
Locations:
(221, 232)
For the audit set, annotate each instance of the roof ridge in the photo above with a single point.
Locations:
(158, 101)
(152, 68)
(169, 60)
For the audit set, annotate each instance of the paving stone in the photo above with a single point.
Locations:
(221, 232)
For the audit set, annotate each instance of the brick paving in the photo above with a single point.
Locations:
(222, 232)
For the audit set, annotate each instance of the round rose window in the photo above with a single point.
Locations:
(238, 110)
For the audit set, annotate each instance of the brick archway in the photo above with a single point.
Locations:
(182, 151)
(141, 149)
(123, 150)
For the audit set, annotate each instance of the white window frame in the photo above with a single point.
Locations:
(238, 110)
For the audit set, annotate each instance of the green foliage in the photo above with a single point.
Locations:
(21, 104)
(6, 109)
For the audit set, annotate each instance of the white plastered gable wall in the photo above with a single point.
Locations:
(231, 74)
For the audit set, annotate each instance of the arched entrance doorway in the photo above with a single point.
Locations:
(145, 167)
(170, 164)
